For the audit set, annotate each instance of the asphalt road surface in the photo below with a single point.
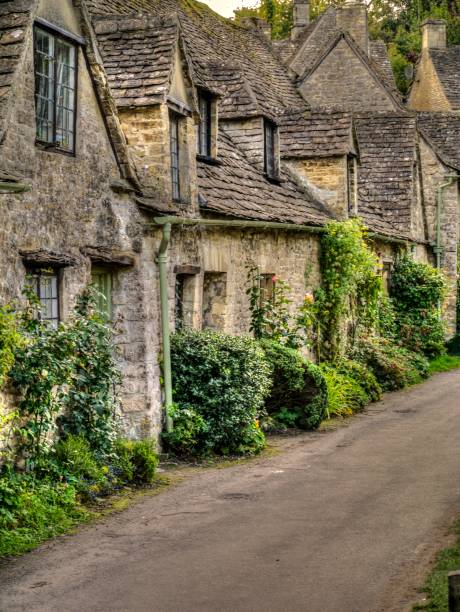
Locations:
(343, 521)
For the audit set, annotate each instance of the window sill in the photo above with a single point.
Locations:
(212, 161)
(47, 147)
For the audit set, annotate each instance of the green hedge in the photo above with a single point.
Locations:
(393, 366)
(220, 383)
(299, 394)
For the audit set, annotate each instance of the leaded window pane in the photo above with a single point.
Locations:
(204, 130)
(175, 173)
(270, 155)
(46, 286)
(55, 84)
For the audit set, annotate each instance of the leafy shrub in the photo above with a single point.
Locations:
(10, 338)
(32, 510)
(364, 377)
(345, 394)
(189, 427)
(77, 462)
(299, 394)
(350, 289)
(90, 404)
(137, 460)
(393, 366)
(417, 291)
(224, 379)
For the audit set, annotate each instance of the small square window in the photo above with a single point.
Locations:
(45, 284)
(55, 89)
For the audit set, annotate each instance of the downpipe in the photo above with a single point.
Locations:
(162, 261)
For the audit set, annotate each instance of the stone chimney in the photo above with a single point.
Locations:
(434, 34)
(301, 17)
(352, 18)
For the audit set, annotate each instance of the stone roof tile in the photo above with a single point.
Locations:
(387, 157)
(238, 189)
(320, 133)
(14, 21)
(243, 54)
(447, 64)
(442, 130)
(138, 56)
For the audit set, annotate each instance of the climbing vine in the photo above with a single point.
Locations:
(351, 287)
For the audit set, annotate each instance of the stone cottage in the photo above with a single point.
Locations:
(159, 150)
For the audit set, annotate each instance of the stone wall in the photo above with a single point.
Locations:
(293, 256)
(70, 207)
(343, 80)
(434, 173)
(427, 93)
(330, 176)
(147, 133)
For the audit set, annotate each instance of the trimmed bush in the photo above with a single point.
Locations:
(364, 377)
(345, 394)
(393, 366)
(225, 380)
(298, 395)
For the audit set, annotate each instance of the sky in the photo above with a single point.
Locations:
(226, 7)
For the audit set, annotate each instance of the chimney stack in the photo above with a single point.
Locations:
(301, 17)
(434, 34)
(352, 18)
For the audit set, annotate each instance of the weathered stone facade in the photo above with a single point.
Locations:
(141, 82)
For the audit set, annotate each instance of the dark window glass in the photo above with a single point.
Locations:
(55, 89)
(175, 173)
(46, 286)
(204, 130)
(270, 155)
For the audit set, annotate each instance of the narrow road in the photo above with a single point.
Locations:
(345, 521)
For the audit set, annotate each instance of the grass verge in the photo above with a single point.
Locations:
(444, 363)
(435, 586)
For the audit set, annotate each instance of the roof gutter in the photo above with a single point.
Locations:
(161, 259)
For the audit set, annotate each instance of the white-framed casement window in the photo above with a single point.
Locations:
(55, 60)
(271, 149)
(45, 284)
(102, 281)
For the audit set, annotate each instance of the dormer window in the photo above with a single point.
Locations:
(205, 126)
(271, 165)
(55, 89)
